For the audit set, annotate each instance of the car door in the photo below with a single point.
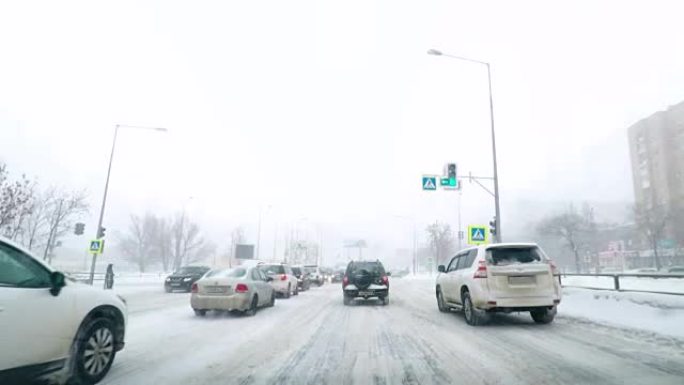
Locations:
(448, 280)
(261, 286)
(36, 327)
(463, 273)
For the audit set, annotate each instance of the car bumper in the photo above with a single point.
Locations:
(215, 302)
(372, 291)
(178, 285)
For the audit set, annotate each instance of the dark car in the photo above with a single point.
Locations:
(303, 280)
(365, 279)
(183, 278)
(337, 276)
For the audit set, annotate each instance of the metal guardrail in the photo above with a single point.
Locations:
(616, 281)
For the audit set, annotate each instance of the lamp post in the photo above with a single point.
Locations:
(491, 118)
(100, 233)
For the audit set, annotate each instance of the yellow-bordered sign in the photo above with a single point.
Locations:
(96, 246)
(477, 235)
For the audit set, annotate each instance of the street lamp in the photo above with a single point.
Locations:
(491, 118)
(99, 233)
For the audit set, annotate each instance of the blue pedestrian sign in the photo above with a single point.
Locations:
(477, 235)
(429, 182)
(96, 246)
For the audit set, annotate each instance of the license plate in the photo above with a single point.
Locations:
(216, 289)
(175, 284)
(525, 280)
(365, 293)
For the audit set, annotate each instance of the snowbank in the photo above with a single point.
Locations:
(658, 313)
(664, 284)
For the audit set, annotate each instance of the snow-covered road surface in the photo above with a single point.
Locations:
(314, 339)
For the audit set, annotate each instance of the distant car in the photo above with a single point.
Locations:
(315, 274)
(183, 278)
(53, 329)
(237, 289)
(676, 269)
(505, 277)
(337, 276)
(284, 281)
(365, 279)
(303, 280)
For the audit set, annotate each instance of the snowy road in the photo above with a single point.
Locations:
(314, 339)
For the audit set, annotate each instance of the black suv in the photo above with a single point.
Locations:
(365, 279)
(183, 278)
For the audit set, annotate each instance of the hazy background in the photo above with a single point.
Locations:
(329, 112)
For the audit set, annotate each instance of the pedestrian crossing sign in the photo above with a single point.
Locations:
(477, 234)
(429, 182)
(96, 246)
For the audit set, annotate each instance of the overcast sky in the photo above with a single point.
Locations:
(331, 111)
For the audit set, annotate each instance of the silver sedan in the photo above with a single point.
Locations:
(241, 289)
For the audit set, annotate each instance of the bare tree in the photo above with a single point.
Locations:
(36, 224)
(186, 240)
(162, 243)
(138, 245)
(441, 240)
(568, 226)
(62, 208)
(15, 203)
(651, 222)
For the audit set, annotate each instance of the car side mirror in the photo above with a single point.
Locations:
(441, 268)
(269, 278)
(57, 282)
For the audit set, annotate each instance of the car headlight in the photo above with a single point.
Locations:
(187, 279)
(168, 279)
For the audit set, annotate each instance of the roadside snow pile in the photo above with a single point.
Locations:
(659, 313)
(662, 284)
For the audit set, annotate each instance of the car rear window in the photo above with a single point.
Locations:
(227, 273)
(511, 255)
(372, 267)
(296, 270)
(272, 269)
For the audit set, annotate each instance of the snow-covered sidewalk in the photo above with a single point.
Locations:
(658, 313)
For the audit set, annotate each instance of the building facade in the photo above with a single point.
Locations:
(656, 146)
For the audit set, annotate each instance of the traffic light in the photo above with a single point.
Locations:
(101, 232)
(492, 226)
(451, 174)
(79, 228)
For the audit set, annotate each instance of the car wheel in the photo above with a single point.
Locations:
(473, 316)
(253, 306)
(544, 315)
(272, 302)
(385, 300)
(94, 351)
(440, 302)
(347, 300)
(289, 290)
(200, 313)
(296, 291)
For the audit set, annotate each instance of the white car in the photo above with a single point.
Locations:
(504, 277)
(284, 281)
(51, 327)
(238, 289)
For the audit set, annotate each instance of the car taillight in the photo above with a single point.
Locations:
(193, 288)
(554, 269)
(241, 288)
(283, 277)
(345, 280)
(481, 271)
(385, 280)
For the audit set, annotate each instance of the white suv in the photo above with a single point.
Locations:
(283, 280)
(504, 277)
(52, 328)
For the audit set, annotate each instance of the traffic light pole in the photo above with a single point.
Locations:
(104, 202)
(496, 173)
